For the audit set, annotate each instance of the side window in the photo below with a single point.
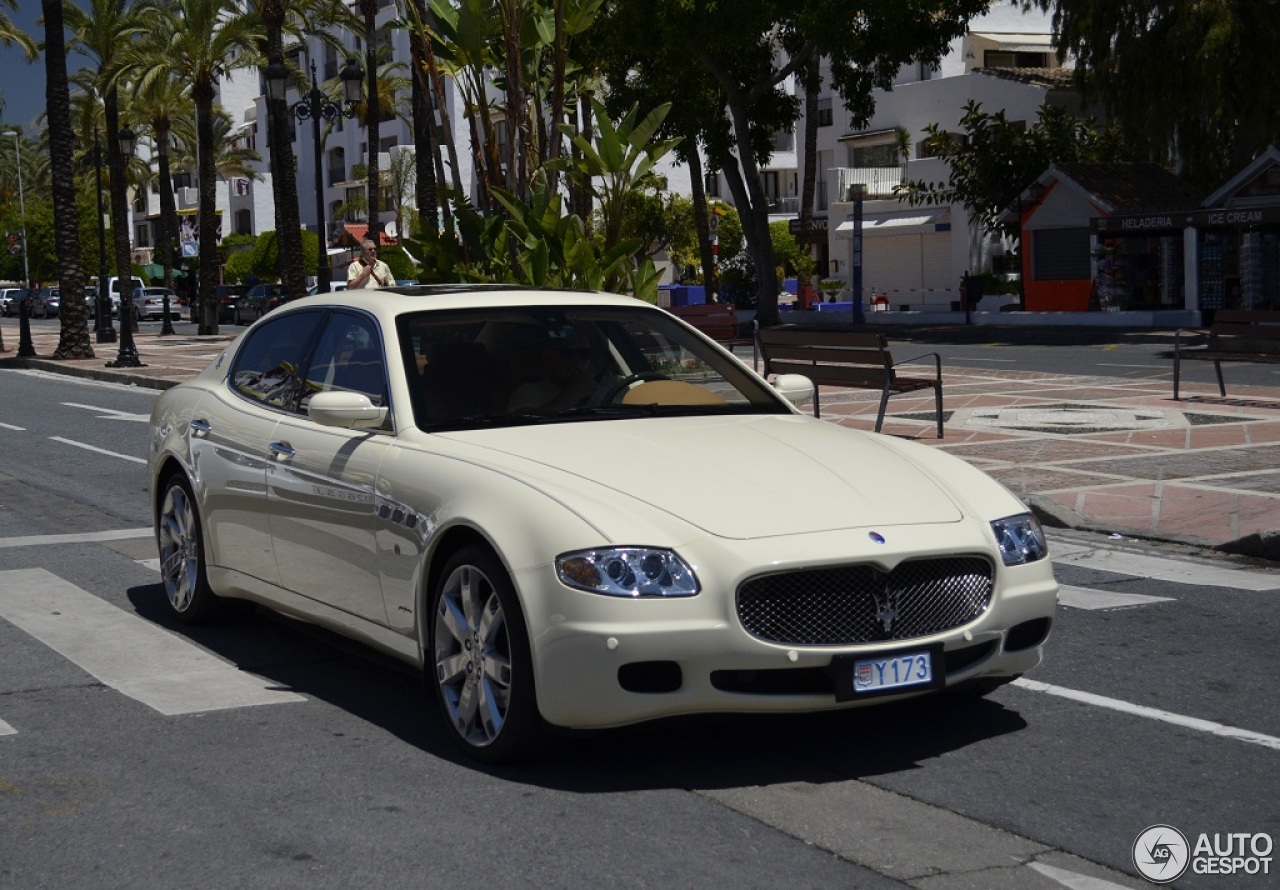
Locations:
(268, 368)
(348, 358)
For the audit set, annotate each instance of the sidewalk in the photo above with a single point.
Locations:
(1102, 454)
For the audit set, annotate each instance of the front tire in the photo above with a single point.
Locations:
(182, 564)
(479, 663)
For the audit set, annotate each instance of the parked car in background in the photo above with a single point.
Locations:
(10, 297)
(148, 302)
(257, 302)
(494, 485)
(333, 288)
(46, 302)
(113, 285)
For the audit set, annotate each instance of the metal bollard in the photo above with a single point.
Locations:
(26, 349)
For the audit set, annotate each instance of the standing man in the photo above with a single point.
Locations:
(368, 271)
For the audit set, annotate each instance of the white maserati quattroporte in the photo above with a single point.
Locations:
(573, 510)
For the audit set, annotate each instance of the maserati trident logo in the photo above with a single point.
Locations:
(887, 603)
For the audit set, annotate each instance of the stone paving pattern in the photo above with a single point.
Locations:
(1111, 455)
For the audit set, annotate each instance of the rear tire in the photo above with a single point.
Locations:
(478, 661)
(179, 536)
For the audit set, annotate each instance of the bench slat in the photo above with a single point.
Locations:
(1236, 335)
(842, 358)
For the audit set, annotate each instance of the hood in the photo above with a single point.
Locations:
(736, 477)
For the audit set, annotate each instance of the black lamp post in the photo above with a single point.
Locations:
(314, 106)
(104, 331)
(127, 357)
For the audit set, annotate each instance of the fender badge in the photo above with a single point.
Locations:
(876, 536)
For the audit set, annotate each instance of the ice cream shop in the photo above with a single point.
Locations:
(1126, 237)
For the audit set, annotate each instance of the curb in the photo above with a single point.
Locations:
(90, 373)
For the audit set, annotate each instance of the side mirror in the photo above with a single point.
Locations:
(349, 410)
(795, 388)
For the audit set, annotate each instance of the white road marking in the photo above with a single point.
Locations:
(16, 429)
(122, 534)
(983, 359)
(111, 413)
(1072, 880)
(1117, 365)
(1160, 568)
(140, 460)
(6, 729)
(1088, 598)
(125, 652)
(1115, 704)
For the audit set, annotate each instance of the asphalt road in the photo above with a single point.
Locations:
(1154, 706)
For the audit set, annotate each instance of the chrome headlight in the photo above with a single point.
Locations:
(627, 571)
(1020, 538)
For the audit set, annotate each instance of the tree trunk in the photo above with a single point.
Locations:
(372, 111)
(425, 150)
(168, 240)
(207, 228)
(284, 173)
(813, 85)
(700, 217)
(73, 339)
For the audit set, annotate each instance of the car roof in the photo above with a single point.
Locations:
(392, 301)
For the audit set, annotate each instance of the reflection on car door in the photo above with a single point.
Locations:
(231, 437)
(321, 490)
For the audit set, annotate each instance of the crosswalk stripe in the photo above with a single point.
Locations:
(1088, 598)
(125, 652)
(6, 729)
(1160, 568)
(1115, 704)
(121, 534)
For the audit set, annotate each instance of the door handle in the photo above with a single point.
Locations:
(200, 427)
(281, 450)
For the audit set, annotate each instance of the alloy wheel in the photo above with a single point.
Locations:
(179, 548)
(473, 663)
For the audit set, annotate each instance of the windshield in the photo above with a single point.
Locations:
(506, 367)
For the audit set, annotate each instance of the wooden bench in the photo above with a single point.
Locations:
(719, 321)
(1236, 335)
(845, 358)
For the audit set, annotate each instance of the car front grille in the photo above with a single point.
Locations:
(862, 604)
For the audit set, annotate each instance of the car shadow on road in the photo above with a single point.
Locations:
(694, 753)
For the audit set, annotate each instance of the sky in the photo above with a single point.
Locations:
(22, 84)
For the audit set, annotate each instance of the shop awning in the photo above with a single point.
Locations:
(1017, 42)
(916, 224)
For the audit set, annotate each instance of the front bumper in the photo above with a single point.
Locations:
(602, 661)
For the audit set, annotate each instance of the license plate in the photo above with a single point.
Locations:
(906, 670)
(892, 672)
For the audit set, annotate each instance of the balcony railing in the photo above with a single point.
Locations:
(880, 181)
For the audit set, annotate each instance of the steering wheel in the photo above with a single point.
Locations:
(625, 383)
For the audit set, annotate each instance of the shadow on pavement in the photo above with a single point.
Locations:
(703, 752)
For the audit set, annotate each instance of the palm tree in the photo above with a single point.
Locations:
(200, 42)
(161, 102)
(372, 107)
(100, 33)
(422, 117)
(296, 17)
(73, 338)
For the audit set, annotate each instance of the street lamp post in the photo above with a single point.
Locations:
(104, 331)
(25, 347)
(127, 357)
(314, 106)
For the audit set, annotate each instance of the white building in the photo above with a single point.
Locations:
(915, 256)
